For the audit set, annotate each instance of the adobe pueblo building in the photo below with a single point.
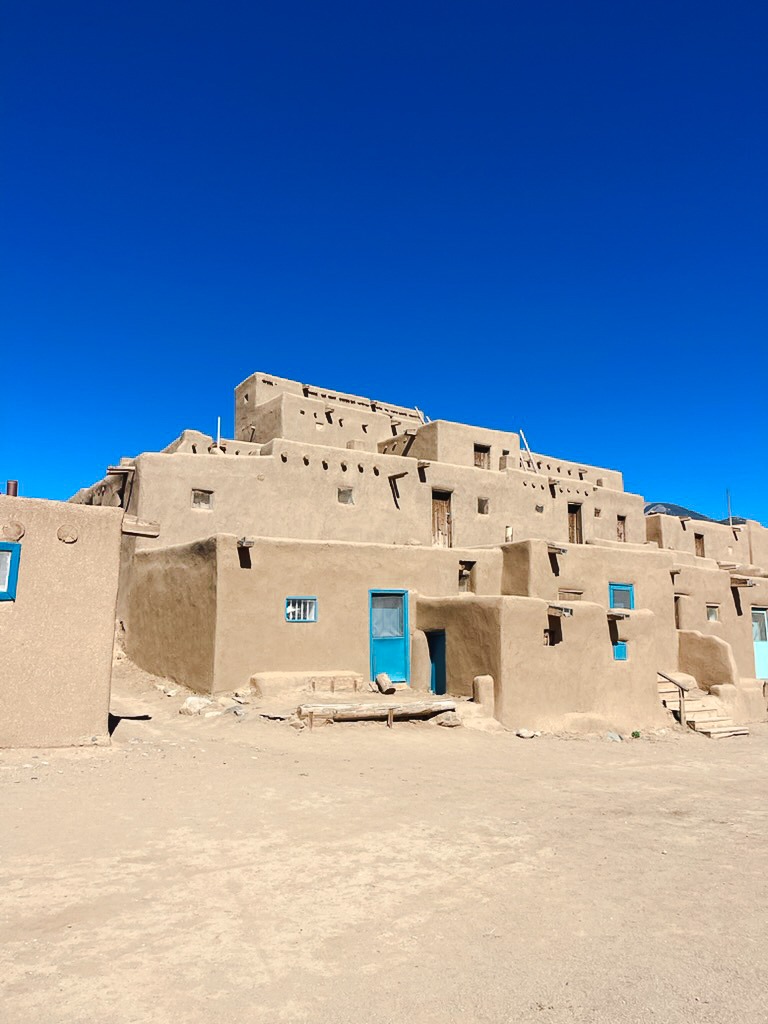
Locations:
(337, 538)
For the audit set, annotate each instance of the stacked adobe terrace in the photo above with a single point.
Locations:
(339, 533)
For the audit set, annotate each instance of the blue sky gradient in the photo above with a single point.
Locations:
(551, 216)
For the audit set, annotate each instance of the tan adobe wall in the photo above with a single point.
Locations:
(261, 388)
(253, 636)
(583, 573)
(315, 422)
(454, 444)
(574, 685)
(721, 542)
(697, 587)
(171, 613)
(293, 491)
(549, 465)
(57, 636)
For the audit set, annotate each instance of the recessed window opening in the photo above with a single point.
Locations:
(466, 577)
(553, 634)
(482, 456)
(570, 595)
(202, 499)
(598, 513)
(677, 611)
(698, 545)
(301, 609)
(713, 613)
(621, 529)
(345, 496)
(539, 508)
(575, 531)
(483, 506)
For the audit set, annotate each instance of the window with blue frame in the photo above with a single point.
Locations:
(301, 609)
(619, 650)
(621, 595)
(10, 554)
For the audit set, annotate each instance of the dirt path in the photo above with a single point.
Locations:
(235, 870)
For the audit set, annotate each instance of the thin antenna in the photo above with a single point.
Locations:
(218, 431)
(728, 499)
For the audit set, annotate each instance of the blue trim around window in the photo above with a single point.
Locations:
(302, 598)
(620, 650)
(9, 594)
(621, 588)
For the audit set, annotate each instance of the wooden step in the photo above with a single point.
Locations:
(703, 724)
(719, 732)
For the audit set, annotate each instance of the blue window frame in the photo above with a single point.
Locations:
(9, 570)
(619, 650)
(621, 595)
(301, 609)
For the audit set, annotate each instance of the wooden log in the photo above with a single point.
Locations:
(362, 712)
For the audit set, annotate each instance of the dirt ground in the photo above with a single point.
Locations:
(206, 871)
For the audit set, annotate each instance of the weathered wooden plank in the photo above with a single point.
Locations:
(371, 711)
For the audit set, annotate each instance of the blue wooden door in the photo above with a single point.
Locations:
(436, 644)
(389, 634)
(760, 638)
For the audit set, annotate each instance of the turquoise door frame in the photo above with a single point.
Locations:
(389, 636)
(760, 639)
(436, 645)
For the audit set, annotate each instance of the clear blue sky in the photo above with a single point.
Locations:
(547, 215)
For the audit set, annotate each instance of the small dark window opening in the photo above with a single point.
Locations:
(483, 506)
(598, 513)
(466, 577)
(482, 456)
(698, 544)
(553, 634)
(244, 554)
(621, 529)
(677, 611)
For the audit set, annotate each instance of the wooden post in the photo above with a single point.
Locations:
(682, 706)
(390, 717)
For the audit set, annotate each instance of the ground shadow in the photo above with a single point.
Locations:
(115, 720)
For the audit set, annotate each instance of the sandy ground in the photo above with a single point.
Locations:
(235, 870)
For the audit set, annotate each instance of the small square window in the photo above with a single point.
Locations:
(539, 508)
(10, 553)
(621, 595)
(202, 499)
(483, 506)
(345, 496)
(301, 609)
(713, 613)
(598, 513)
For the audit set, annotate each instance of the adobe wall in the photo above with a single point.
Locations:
(574, 685)
(262, 389)
(253, 636)
(291, 490)
(583, 574)
(721, 542)
(171, 613)
(57, 635)
(454, 444)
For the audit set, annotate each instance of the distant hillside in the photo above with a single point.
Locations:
(668, 509)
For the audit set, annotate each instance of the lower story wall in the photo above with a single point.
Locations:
(171, 622)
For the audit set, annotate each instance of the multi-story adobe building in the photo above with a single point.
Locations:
(343, 535)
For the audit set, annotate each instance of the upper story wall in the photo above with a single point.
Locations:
(457, 444)
(312, 492)
(262, 388)
(706, 540)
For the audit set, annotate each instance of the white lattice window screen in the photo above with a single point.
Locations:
(301, 609)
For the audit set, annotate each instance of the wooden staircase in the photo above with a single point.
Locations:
(697, 709)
